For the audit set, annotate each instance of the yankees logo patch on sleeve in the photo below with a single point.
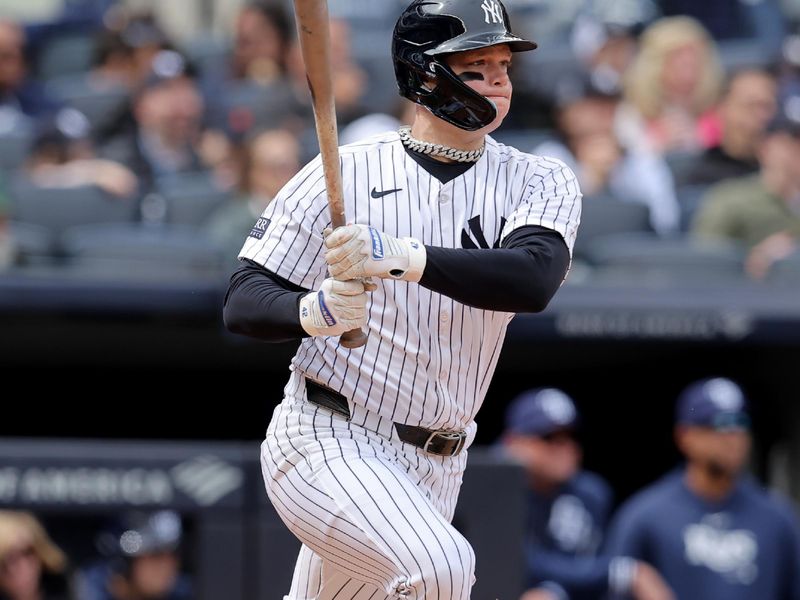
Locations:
(259, 229)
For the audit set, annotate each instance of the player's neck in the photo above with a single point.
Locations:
(428, 128)
(711, 484)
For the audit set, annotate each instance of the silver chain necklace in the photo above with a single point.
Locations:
(431, 149)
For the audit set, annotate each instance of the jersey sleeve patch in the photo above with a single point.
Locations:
(260, 228)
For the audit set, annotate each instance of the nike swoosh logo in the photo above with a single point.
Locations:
(376, 194)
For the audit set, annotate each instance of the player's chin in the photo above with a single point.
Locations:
(503, 105)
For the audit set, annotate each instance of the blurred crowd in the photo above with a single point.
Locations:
(137, 556)
(132, 129)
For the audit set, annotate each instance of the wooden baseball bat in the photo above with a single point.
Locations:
(313, 30)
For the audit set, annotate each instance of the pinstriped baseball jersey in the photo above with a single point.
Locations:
(429, 359)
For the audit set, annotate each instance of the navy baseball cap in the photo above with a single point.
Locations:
(716, 402)
(138, 533)
(540, 412)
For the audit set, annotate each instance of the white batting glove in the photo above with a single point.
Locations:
(337, 306)
(356, 251)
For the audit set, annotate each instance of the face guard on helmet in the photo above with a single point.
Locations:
(426, 32)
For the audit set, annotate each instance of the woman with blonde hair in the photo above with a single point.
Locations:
(671, 88)
(32, 567)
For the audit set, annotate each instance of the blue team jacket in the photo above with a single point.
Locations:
(746, 547)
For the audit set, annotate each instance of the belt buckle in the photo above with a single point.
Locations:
(461, 436)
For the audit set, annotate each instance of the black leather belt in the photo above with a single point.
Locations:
(443, 443)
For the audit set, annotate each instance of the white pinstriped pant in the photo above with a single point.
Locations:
(373, 513)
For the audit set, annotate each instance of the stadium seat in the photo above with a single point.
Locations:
(101, 102)
(207, 51)
(786, 272)
(690, 197)
(742, 53)
(382, 95)
(16, 137)
(647, 260)
(603, 216)
(190, 197)
(255, 105)
(33, 244)
(680, 163)
(140, 252)
(59, 208)
(64, 54)
(14, 149)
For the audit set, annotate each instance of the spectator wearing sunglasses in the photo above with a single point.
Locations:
(568, 508)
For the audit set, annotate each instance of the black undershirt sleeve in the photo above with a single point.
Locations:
(521, 276)
(263, 305)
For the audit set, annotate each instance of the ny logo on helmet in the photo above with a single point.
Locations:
(492, 11)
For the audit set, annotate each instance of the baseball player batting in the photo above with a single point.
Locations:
(363, 459)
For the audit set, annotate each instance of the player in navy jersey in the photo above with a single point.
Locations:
(363, 458)
(568, 508)
(710, 530)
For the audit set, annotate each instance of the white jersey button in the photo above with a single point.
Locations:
(444, 317)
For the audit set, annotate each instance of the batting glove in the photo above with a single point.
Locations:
(356, 251)
(337, 306)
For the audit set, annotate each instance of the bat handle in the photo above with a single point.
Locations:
(354, 338)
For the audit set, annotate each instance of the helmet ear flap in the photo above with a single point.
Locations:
(448, 98)
(455, 102)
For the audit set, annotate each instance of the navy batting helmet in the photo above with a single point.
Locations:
(426, 32)
(138, 533)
